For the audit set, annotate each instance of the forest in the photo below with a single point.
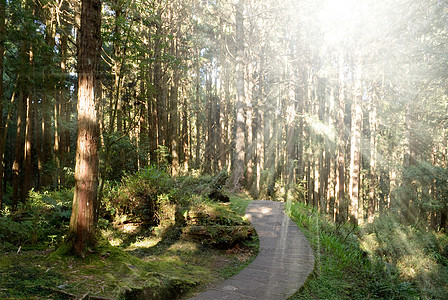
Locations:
(128, 113)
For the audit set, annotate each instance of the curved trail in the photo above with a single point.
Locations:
(284, 261)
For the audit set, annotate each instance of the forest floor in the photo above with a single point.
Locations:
(165, 266)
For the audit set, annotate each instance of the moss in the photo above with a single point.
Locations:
(220, 236)
(143, 265)
(21, 279)
(239, 203)
(112, 272)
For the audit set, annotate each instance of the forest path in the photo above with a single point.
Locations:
(284, 261)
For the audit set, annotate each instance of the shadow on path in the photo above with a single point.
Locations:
(284, 261)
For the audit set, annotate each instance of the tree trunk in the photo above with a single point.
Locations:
(221, 135)
(47, 108)
(217, 140)
(342, 206)
(355, 148)
(331, 159)
(198, 112)
(18, 154)
(209, 147)
(65, 112)
(47, 152)
(28, 162)
(85, 207)
(152, 122)
(2, 126)
(291, 120)
(238, 167)
(17, 166)
(39, 150)
(249, 148)
(186, 153)
(143, 114)
(159, 89)
(174, 120)
(117, 70)
(259, 132)
(373, 124)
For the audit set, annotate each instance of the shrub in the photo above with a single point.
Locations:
(42, 220)
(215, 224)
(136, 196)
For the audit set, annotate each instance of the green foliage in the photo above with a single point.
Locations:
(146, 195)
(41, 222)
(174, 263)
(107, 271)
(343, 269)
(424, 190)
(418, 255)
(209, 213)
(137, 195)
(176, 206)
(381, 260)
(163, 155)
(20, 280)
(239, 203)
(118, 157)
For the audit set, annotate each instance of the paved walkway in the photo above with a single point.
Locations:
(284, 261)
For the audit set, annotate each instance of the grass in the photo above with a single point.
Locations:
(239, 203)
(343, 268)
(164, 264)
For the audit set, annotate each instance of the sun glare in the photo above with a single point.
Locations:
(336, 18)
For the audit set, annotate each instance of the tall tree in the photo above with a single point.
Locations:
(85, 207)
(373, 126)
(355, 147)
(238, 166)
(342, 207)
(2, 126)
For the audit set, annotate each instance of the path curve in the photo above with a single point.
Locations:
(284, 261)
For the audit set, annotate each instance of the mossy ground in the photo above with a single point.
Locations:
(135, 259)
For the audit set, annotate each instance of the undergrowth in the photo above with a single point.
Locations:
(40, 223)
(146, 247)
(380, 260)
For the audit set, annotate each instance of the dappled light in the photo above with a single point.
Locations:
(265, 210)
(134, 133)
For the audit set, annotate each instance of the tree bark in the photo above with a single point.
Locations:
(355, 148)
(185, 144)
(291, 119)
(46, 176)
(18, 154)
(159, 89)
(342, 206)
(64, 110)
(47, 110)
(85, 208)
(238, 166)
(28, 162)
(259, 132)
(373, 124)
(17, 166)
(2, 126)
(209, 147)
(249, 148)
(198, 112)
(174, 118)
